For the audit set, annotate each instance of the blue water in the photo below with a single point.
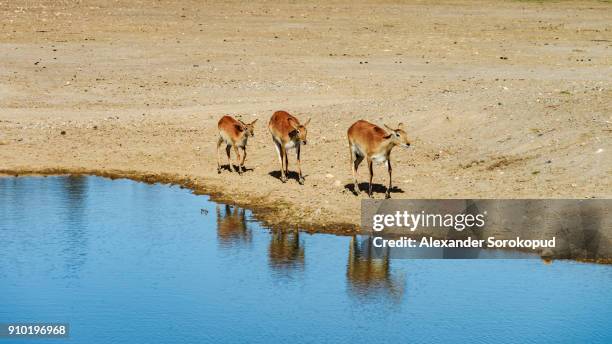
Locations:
(127, 262)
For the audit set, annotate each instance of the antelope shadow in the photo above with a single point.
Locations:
(291, 175)
(376, 188)
(226, 167)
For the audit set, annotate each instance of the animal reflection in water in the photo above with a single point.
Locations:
(285, 251)
(369, 272)
(232, 226)
(75, 235)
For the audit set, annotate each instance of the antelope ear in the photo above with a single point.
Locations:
(254, 121)
(400, 126)
(307, 122)
(389, 128)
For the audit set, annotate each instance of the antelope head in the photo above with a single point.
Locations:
(249, 129)
(299, 132)
(398, 136)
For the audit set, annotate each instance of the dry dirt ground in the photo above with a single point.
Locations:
(503, 99)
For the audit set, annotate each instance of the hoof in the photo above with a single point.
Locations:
(301, 181)
(387, 195)
(218, 170)
(284, 180)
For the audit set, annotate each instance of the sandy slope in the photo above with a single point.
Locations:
(502, 99)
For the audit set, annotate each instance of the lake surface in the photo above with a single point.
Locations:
(127, 262)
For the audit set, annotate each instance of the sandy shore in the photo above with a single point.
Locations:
(502, 99)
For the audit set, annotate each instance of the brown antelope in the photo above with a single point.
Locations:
(234, 133)
(287, 133)
(370, 141)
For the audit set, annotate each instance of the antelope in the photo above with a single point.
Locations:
(287, 133)
(235, 134)
(372, 142)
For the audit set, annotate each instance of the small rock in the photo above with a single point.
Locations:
(63, 132)
(329, 175)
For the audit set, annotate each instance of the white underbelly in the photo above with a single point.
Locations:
(379, 158)
(290, 144)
